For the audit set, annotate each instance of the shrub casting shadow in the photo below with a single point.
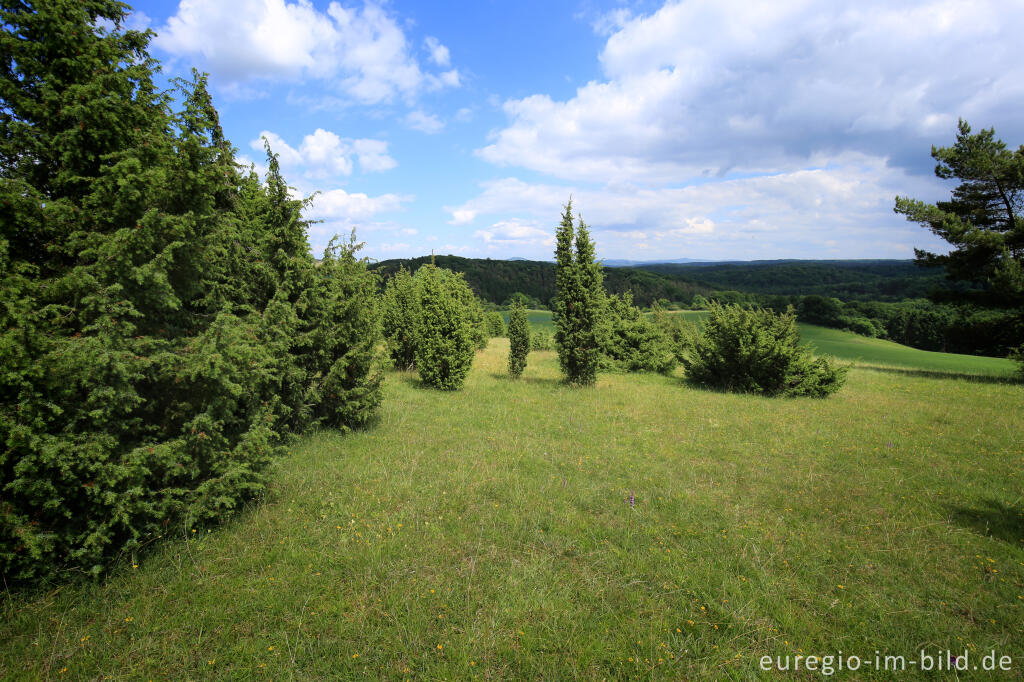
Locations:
(992, 519)
(724, 390)
(413, 379)
(940, 374)
(503, 376)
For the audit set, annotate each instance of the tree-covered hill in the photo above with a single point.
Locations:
(850, 280)
(875, 280)
(497, 280)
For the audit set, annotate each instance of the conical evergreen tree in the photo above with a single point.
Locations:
(579, 307)
(518, 339)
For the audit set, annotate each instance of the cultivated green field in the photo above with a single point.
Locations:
(864, 351)
(489, 534)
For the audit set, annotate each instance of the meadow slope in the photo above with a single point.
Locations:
(490, 533)
(862, 350)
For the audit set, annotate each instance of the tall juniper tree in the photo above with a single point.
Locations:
(140, 382)
(518, 339)
(579, 305)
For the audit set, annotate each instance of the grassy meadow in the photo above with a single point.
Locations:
(863, 351)
(639, 529)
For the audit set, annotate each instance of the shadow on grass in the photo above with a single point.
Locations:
(991, 519)
(413, 379)
(542, 381)
(941, 374)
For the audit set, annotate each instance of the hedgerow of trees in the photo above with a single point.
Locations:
(163, 327)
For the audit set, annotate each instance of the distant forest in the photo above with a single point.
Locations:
(880, 298)
(876, 280)
(495, 281)
(847, 280)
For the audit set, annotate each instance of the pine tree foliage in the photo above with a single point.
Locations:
(984, 218)
(579, 305)
(634, 342)
(518, 339)
(757, 351)
(444, 330)
(162, 325)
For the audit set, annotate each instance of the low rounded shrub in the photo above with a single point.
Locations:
(757, 351)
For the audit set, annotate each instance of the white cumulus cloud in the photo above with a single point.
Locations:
(713, 87)
(339, 205)
(362, 51)
(323, 154)
(514, 232)
(842, 211)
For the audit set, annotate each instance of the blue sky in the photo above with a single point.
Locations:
(712, 129)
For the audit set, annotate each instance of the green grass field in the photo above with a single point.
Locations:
(864, 351)
(488, 534)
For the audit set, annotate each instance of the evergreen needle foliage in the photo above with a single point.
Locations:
(635, 342)
(518, 339)
(983, 219)
(401, 310)
(579, 311)
(495, 325)
(1018, 356)
(163, 326)
(445, 334)
(757, 351)
(984, 223)
(541, 340)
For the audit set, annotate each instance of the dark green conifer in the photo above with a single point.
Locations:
(579, 305)
(635, 343)
(518, 339)
(162, 325)
(445, 343)
(400, 313)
